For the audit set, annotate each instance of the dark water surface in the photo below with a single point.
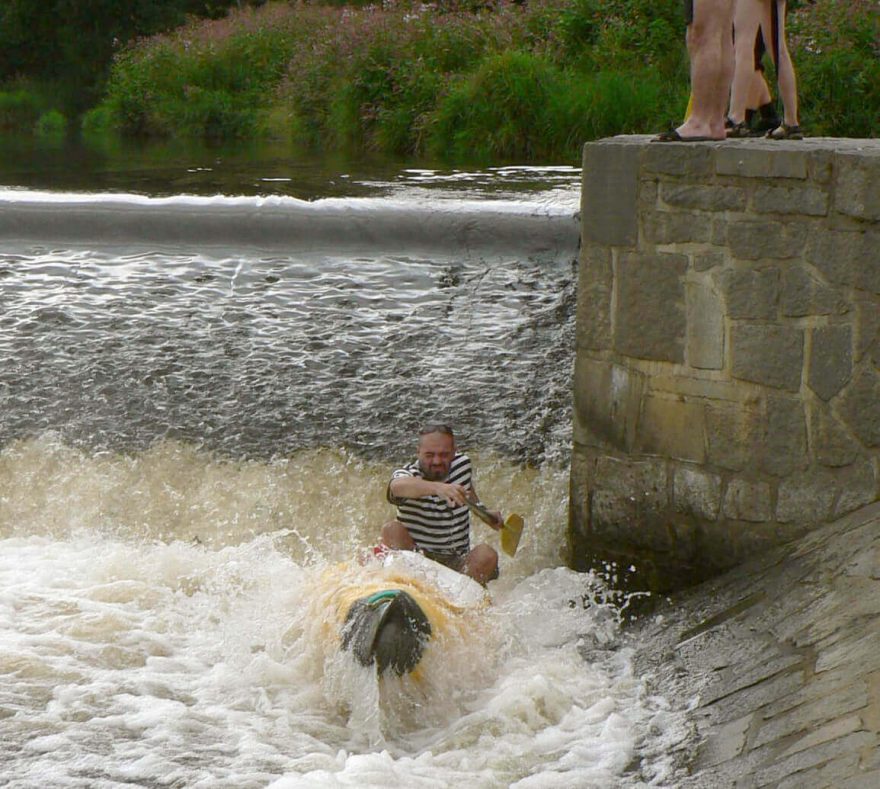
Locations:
(158, 168)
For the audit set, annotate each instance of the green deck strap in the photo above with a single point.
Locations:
(379, 596)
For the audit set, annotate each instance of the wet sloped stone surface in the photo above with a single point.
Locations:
(779, 663)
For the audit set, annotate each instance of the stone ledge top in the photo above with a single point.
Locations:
(866, 146)
(853, 163)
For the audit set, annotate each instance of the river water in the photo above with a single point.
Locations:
(208, 372)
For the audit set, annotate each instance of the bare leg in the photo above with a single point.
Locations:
(785, 72)
(711, 53)
(396, 537)
(482, 564)
(759, 92)
(746, 23)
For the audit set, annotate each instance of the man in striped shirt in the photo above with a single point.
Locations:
(432, 514)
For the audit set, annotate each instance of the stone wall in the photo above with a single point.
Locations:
(727, 377)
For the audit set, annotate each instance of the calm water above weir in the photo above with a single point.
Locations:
(170, 168)
(209, 368)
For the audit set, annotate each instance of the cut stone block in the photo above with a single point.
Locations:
(650, 319)
(768, 354)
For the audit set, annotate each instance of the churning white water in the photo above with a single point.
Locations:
(162, 620)
(193, 452)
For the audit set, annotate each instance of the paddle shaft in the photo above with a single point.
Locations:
(484, 514)
(510, 529)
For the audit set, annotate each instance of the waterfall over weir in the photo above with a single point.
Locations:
(256, 325)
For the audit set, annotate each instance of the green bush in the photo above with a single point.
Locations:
(372, 81)
(19, 110)
(208, 79)
(504, 110)
(51, 124)
(629, 103)
(622, 35)
(98, 122)
(518, 106)
(497, 81)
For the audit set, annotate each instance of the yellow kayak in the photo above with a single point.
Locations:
(388, 614)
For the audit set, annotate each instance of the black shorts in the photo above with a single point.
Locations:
(454, 561)
(688, 11)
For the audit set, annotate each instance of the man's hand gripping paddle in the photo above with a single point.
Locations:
(511, 528)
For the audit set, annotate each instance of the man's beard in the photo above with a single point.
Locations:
(433, 476)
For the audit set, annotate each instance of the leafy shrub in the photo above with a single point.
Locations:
(19, 109)
(629, 103)
(207, 79)
(502, 110)
(371, 80)
(517, 106)
(98, 122)
(623, 35)
(51, 124)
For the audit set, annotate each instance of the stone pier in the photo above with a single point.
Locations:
(727, 378)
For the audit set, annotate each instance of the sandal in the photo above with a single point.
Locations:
(764, 119)
(673, 136)
(740, 129)
(785, 132)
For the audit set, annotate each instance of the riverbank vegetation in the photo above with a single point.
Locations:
(499, 80)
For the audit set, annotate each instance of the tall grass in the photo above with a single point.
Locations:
(506, 80)
(836, 50)
(213, 79)
(518, 105)
(374, 81)
(508, 107)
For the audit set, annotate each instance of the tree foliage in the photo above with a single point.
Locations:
(71, 43)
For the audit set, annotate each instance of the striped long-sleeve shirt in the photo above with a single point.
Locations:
(433, 524)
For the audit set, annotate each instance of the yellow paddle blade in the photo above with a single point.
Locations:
(510, 533)
(511, 529)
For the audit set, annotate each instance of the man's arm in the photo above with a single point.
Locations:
(416, 488)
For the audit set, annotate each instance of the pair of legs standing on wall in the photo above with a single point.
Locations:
(764, 18)
(711, 50)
